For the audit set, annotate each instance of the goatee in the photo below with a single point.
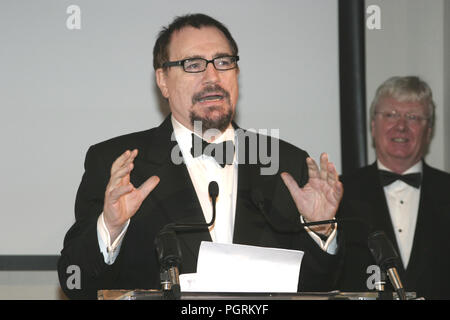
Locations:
(223, 121)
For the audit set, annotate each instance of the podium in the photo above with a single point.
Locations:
(333, 295)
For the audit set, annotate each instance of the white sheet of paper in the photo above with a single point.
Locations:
(243, 268)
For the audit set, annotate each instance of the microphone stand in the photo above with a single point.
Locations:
(169, 251)
(386, 257)
(169, 255)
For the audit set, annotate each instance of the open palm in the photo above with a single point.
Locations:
(319, 198)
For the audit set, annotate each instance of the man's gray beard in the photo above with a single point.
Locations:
(220, 124)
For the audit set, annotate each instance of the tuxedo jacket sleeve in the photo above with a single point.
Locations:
(174, 200)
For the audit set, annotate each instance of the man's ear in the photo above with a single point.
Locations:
(430, 132)
(372, 128)
(161, 81)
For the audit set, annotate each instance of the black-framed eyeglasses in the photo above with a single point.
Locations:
(196, 65)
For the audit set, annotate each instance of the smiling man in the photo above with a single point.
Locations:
(132, 188)
(400, 194)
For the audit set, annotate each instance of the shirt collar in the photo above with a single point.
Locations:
(183, 135)
(418, 167)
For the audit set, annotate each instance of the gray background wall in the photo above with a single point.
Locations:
(63, 90)
(414, 40)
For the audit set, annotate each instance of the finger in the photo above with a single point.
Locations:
(339, 190)
(332, 175)
(121, 176)
(129, 158)
(120, 161)
(149, 185)
(118, 192)
(313, 169)
(130, 165)
(290, 183)
(323, 166)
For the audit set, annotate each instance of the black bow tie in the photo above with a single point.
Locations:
(387, 177)
(222, 152)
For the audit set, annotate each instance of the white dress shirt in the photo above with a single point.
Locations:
(403, 203)
(202, 170)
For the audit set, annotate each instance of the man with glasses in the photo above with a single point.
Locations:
(400, 194)
(134, 185)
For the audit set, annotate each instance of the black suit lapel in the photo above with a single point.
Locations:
(384, 222)
(422, 245)
(250, 225)
(372, 205)
(248, 220)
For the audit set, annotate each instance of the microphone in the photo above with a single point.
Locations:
(386, 257)
(169, 256)
(213, 191)
(169, 251)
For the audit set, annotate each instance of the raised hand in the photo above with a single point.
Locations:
(122, 199)
(319, 198)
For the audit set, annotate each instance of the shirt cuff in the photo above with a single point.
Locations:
(109, 250)
(329, 245)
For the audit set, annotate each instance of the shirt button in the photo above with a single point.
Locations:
(401, 202)
(400, 230)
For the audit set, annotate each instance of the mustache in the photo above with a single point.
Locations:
(210, 89)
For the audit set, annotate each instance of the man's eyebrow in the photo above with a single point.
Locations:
(195, 56)
(222, 54)
(217, 55)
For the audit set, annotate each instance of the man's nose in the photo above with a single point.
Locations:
(401, 123)
(211, 75)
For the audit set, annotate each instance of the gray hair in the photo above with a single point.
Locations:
(410, 88)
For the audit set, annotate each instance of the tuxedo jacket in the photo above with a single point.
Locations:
(174, 200)
(427, 272)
